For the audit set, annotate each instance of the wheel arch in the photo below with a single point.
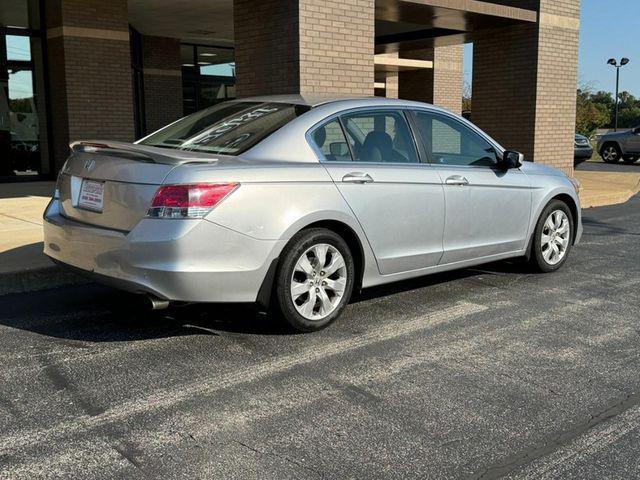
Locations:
(611, 142)
(345, 231)
(573, 207)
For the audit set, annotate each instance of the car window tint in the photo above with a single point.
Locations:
(380, 136)
(449, 142)
(228, 128)
(329, 138)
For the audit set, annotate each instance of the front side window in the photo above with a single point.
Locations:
(329, 139)
(380, 136)
(227, 128)
(449, 142)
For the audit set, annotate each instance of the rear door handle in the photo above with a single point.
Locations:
(357, 177)
(456, 180)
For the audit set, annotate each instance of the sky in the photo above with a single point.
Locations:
(608, 29)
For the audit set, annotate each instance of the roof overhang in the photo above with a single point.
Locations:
(404, 25)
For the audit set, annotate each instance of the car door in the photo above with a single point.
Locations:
(633, 141)
(487, 208)
(399, 201)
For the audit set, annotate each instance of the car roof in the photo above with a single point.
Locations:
(315, 100)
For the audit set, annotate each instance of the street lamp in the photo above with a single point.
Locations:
(613, 62)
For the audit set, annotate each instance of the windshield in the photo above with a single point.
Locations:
(228, 128)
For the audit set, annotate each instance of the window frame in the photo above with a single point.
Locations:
(499, 150)
(403, 110)
(317, 150)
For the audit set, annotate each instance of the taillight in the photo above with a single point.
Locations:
(188, 201)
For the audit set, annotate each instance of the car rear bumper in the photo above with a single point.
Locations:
(177, 260)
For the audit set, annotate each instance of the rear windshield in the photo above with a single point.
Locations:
(227, 128)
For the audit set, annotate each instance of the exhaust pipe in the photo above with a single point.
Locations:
(156, 303)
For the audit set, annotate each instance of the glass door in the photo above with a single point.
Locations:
(23, 127)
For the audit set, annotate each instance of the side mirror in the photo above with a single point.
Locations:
(511, 159)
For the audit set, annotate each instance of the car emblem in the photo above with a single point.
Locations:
(89, 164)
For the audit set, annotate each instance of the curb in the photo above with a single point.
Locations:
(605, 199)
(38, 279)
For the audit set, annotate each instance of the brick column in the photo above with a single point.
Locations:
(162, 81)
(442, 85)
(447, 78)
(89, 72)
(524, 84)
(304, 46)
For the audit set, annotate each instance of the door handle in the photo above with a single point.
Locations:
(357, 177)
(456, 180)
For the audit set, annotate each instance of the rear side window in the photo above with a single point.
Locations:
(227, 128)
(330, 140)
(380, 136)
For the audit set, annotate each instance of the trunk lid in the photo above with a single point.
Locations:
(111, 184)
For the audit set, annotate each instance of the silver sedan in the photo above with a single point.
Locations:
(295, 203)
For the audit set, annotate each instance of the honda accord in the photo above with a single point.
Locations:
(294, 203)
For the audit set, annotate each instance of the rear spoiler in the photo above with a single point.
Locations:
(137, 152)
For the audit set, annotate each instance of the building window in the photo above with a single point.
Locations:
(23, 125)
(208, 76)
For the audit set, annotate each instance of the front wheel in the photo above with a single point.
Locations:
(315, 279)
(552, 238)
(611, 153)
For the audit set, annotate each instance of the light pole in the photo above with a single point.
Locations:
(613, 62)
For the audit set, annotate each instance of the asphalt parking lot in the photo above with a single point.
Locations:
(481, 373)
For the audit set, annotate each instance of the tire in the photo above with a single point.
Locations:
(320, 295)
(611, 153)
(629, 159)
(545, 235)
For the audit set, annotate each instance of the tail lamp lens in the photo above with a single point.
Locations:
(188, 201)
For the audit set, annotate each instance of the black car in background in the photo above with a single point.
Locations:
(582, 149)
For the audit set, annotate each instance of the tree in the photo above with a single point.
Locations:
(589, 115)
(466, 96)
(629, 117)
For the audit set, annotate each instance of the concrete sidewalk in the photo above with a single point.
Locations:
(607, 188)
(23, 266)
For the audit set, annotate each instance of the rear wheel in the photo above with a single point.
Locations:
(553, 237)
(611, 153)
(314, 280)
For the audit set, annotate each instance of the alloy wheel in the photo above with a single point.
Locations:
(555, 237)
(318, 281)
(610, 154)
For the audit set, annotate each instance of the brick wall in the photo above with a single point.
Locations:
(557, 79)
(90, 72)
(162, 81)
(304, 46)
(337, 46)
(447, 77)
(524, 84)
(417, 84)
(504, 86)
(442, 85)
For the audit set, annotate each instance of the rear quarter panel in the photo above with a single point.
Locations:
(276, 200)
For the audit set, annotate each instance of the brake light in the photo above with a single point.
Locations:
(188, 201)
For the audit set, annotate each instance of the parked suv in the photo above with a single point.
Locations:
(620, 145)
